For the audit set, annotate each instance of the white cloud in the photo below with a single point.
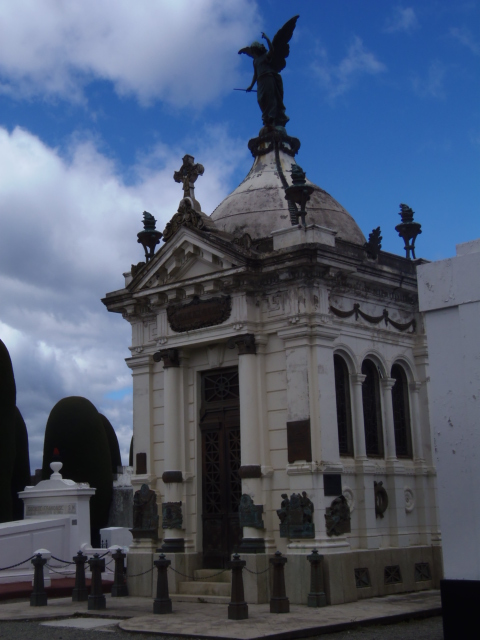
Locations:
(402, 19)
(465, 37)
(178, 51)
(432, 85)
(338, 79)
(68, 233)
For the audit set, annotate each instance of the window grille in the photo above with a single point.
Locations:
(401, 413)
(372, 414)
(344, 411)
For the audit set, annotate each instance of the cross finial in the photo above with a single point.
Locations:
(187, 175)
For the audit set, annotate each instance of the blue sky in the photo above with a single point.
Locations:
(99, 101)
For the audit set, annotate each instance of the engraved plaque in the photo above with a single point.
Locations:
(298, 441)
(50, 509)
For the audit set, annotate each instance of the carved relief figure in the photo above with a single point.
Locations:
(145, 513)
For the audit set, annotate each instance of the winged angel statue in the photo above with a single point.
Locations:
(266, 73)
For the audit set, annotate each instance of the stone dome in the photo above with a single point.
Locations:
(258, 205)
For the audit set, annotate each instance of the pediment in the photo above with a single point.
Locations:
(187, 257)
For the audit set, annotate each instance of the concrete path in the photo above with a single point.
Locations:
(210, 620)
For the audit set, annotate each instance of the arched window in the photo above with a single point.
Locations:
(372, 413)
(401, 413)
(344, 411)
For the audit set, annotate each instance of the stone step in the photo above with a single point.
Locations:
(183, 597)
(202, 589)
(213, 575)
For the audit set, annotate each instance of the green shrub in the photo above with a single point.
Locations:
(21, 469)
(7, 432)
(76, 429)
(115, 456)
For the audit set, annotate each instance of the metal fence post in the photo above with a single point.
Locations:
(38, 597)
(162, 603)
(80, 592)
(316, 597)
(237, 608)
(119, 587)
(279, 603)
(96, 599)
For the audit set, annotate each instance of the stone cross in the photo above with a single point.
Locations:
(187, 175)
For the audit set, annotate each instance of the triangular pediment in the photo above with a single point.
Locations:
(187, 257)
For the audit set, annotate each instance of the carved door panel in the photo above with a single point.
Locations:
(221, 483)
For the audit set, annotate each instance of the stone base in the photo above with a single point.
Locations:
(38, 599)
(238, 611)
(316, 600)
(460, 600)
(252, 545)
(80, 595)
(162, 606)
(279, 605)
(96, 603)
(119, 591)
(172, 545)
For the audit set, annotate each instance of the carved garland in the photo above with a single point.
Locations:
(198, 314)
(357, 312)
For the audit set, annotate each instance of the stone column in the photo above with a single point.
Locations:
(173, 459)
(250, 434)
(367, 533)
(416, 422)
(357, 416)
(390, 448)
(141, 366)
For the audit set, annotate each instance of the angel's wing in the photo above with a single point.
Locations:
(281, 48)
(247, 50)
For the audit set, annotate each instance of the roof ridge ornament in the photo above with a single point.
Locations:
(408, 230)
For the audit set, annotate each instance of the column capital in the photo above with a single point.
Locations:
(357, 378)
(415, 386)
(170, 357)
(388, 383)
(245, 344)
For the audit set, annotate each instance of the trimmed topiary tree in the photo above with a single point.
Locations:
(76, 429)
(21, 468)
(7, 432)
(115, 456)
(130, 455)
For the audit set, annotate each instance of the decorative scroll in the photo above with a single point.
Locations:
(296, 516)
(357, 312)
(198, 314)
(250, 514)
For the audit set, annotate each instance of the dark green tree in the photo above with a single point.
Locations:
(75, 428)
(115, 456)
(21, 468)
(130, 454)
(7, 432)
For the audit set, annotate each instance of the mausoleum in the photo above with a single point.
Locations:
(279, 367)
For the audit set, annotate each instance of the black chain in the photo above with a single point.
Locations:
(16, 565)
(135, 575)
(60, 560)
(197, 579)
(257, 573)
(60, 573)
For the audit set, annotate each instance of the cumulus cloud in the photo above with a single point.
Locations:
(402, 19)
(177, 51)
(465, 37)
(340, 78)
(69, 230)
(432, 84)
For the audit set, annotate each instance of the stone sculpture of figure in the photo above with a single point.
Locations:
(307, 506)
(145, 513)
(284, 508)
(266, 73)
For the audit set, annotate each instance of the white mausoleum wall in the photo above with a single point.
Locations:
(449, 292)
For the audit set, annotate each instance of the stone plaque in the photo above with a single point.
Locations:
(250, 515)
(50, 509)
(198, 314)
(332, 484)
(298, 441)
(296, 516)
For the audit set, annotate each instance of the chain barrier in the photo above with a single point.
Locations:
(60, 573)
(140, 574)
(60, 560)
(257, 573)
(197, 579)
(16, 565)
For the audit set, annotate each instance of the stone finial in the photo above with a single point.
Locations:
(187, 175)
